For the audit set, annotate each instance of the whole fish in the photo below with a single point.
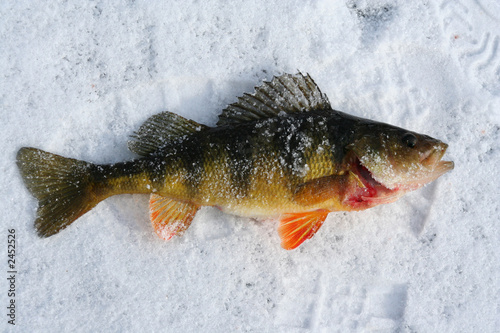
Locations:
(280, 152)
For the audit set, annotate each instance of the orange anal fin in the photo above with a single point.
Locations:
(295, 228)
(170, 217)
(321, 189)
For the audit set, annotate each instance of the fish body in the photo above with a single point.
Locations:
(281, 152)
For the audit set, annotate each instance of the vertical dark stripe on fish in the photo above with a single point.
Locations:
(341, 132)
(157, 169)
(293, 137)
(236, 148)
(192, 159)
(240, 163)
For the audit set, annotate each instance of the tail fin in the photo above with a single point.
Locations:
(63, 187)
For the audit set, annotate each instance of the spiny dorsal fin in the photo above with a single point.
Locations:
(286, 93)
(170, 217)
(160, 129)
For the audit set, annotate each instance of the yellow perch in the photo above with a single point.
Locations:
(280, 152)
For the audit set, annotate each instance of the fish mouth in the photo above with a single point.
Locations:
(432, 160)
(443, 167)
(433, 155)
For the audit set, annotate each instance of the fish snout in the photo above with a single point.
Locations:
(431, 157)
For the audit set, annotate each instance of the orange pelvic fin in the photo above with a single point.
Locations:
(170, 217)
(295, 228)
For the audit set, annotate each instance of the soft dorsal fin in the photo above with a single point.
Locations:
(295, 228)
(286, 93)
(160, 129)
(170, 217)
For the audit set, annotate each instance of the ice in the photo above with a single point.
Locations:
(79, 77)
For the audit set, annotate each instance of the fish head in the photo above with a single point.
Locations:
(399, 159)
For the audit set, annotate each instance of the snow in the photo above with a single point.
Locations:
(79, 77)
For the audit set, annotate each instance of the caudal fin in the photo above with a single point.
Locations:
(63, 187)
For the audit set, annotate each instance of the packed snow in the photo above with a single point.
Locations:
(78, 77)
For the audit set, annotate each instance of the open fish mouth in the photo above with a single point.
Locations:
(432, 157)
(443, 167)
(432, 160)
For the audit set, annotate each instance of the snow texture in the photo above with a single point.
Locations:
(78, 77)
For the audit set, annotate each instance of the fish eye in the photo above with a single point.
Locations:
(409, 140)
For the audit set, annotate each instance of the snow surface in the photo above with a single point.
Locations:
(78, 77)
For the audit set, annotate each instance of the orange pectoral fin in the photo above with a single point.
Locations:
(321, 189)
(170, 217)
(295, 228)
